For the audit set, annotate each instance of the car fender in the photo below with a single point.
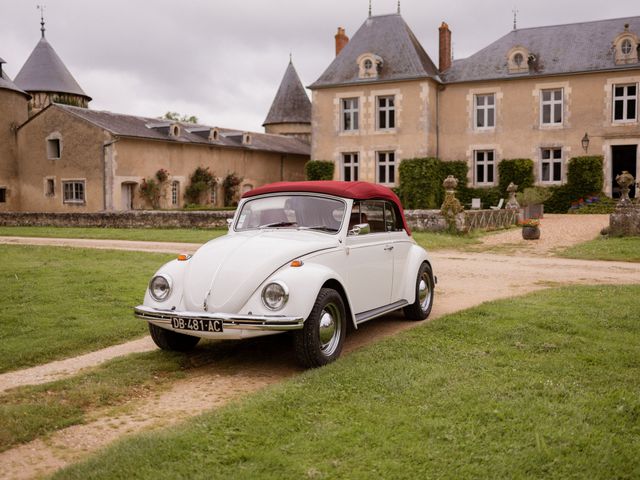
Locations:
(304, 284)
(416, 257)
(175, 270)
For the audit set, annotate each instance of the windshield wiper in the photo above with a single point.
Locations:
(278, 224)
(323, 228)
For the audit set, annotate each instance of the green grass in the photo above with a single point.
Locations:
(625, 249)
(445, 241)
(29, 412)
(182, 235)
(59, 302)
(544, 386)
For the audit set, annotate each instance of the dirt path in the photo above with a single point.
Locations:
(239, 368)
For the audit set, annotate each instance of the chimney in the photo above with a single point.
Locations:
(341, 40)
(445, 47)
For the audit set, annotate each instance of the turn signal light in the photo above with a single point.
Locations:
(183, 257)
(296, 263)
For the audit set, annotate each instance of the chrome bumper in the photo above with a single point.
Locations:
(230, 321)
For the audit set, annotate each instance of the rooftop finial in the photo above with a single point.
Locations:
(398, 7)
(41, 8)
(515, 18)
(290, 57)
(369, 7)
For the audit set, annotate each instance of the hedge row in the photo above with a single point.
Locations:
(319, 170)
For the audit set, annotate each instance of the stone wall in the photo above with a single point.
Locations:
(625, 222)
(419, 220)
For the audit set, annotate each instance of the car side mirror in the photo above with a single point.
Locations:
(229, 223)
(360, 229)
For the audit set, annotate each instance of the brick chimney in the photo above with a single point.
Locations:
(445, 47)
(341, 40)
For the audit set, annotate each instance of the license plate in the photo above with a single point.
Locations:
(197, 324)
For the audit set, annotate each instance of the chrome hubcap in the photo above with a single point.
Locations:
(330, 329)
(424, 291)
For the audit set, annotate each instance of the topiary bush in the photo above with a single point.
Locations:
(230, 185)
(319, 170)
(518, 171)
(421, 183)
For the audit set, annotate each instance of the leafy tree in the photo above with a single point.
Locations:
(176, 117)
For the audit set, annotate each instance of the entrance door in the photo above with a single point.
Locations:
(623, 157)
(127, 196)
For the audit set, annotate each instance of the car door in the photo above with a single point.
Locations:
(401, 244)
(369, 259)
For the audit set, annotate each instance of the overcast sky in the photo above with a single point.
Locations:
(223, 60)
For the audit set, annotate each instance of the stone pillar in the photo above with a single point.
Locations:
(625, 180)
(451, 207)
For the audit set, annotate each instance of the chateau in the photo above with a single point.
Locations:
(545, 93)
(57, 155)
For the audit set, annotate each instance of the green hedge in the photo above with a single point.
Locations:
(420, 183)
(518, 171)
(584, 178)
(319, 170)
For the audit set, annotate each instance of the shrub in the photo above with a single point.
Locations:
(421, 183)
(518, 171)
(319, 170)
(593, 204)
(533, 196)
(200, 182)
(488, 196)
(150, 191)
(584, 178)
(230, 186)
(162, 175)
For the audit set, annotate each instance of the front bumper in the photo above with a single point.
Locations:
(230, 321)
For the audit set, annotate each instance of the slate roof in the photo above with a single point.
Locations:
(44, 71)
(6, 83)
(389, 37)
(156, 129)
(559, 49)
(291, 103)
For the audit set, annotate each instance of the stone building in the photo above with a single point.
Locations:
(545, 93)
(57, 155)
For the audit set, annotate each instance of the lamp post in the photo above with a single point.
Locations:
(585, 142)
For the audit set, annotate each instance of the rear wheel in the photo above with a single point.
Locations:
(421, 308)
(170, 340)
(321, 339)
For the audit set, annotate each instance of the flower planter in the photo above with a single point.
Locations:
(530, 233)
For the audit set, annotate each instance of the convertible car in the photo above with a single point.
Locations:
(306, 257)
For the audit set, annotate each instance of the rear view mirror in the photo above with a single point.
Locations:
(360, 229)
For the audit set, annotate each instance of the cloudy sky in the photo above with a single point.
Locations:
(223, 60)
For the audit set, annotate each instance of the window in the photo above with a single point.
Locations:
(484, 160)
(387, 167)
(53, 148)
(625, 100)
(50, 189)
(626, 46)
(551, 165)
(3, 194)
(214, 195)
(350, 167)
(386, 112)
(175, 193)
(73, 191)
(551, 107)
(518, 59)
(485, 111)
(349, 114)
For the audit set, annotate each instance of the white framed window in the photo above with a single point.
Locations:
(350, 112)
(73, 191)
(350, 167)
(53, 148)
(386, 168)
(551, 165)
(484, 167)
(485, 111)
(551, 102)
(175, 193)
(214, 195)
(625, 102)
(386, 112)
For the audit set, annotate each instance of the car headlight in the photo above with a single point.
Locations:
(160, 287)
(275, 295)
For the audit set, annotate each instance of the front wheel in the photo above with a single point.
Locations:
(170, 340)
(421, 308)
(321, 339)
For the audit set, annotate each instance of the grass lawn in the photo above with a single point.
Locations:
(182, 235)
(625, 249)
(544, 386)
(444, 241)
(58, 302)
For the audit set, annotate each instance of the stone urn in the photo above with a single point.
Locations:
(625, 180)
(531, 229)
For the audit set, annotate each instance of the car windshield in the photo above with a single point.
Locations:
(304, 212)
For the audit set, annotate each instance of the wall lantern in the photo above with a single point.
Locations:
(585, 142)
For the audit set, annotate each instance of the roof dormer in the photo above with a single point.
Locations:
(369, 65)
(174, 130)
(518, 59)
(246, 138)
(626, 47)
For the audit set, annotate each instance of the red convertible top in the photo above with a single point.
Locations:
(354, 190)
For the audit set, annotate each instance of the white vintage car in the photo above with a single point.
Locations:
(306, 257)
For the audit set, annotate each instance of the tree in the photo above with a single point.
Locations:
(176, 117)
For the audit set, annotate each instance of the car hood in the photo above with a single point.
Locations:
(226, 271)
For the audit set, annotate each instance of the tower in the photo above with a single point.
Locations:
(290, 112)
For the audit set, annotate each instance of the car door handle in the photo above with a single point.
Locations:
(388, 248)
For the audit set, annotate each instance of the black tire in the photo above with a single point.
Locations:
(170, 340)
(421, 308)
(321, 339)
